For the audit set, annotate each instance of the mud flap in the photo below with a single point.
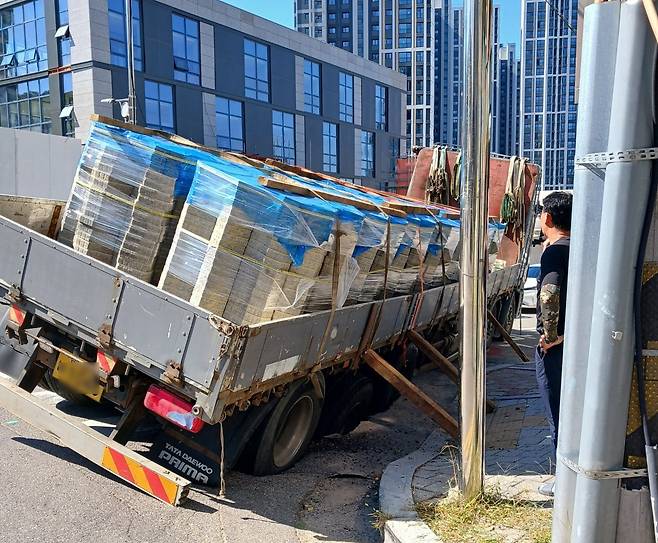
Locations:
(196, 456)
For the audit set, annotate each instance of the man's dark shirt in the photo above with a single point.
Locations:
(552, 290)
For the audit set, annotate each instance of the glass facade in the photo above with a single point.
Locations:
(329, 147)
(159, 106)
(26, 105)
(63, 36)
(367, 154)
(256, 71)
(549, 111)
(185, 37)
(381, 110)
(23, 40)
(117, 22)
(66, 115)
(312, 87)
(345, 97)
(229, 119)
(283, 136)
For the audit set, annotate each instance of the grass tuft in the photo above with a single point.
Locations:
(379, 520)
(489, 518)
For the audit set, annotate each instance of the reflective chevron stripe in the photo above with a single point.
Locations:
(140, 476)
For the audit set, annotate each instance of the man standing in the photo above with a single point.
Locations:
(555, 222)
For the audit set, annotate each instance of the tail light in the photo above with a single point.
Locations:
(172, 408)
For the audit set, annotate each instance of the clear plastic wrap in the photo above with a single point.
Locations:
(249, 253)
(496, 231)
(126, 197)
(247, 240)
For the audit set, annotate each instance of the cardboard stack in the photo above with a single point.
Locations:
(237, 251)
(243, 239)
(123, 210)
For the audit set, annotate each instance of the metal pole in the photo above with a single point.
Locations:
(610, 361)
(474, 222)
(596, 82)
(130, 56)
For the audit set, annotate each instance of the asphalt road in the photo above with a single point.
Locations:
(50, 494)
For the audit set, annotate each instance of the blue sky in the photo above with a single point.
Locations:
(281, 12)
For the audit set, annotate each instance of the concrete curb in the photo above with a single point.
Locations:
(396, 495)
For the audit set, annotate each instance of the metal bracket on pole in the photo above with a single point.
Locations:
(624, 473)
(611, 157)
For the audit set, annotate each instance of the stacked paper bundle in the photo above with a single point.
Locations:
(249, 253)
(373, 288)
(247, 240)
(125, 201)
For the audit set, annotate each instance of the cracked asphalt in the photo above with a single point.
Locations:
(51, 494)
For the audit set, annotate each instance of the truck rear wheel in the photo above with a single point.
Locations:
(405, 361)
(286, 433)
(348, 403)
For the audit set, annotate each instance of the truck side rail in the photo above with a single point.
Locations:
(220, 363)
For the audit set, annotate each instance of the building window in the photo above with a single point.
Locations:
(381, 99)
(185, 35)
(66, 115)
(311, 87)
(256, 71)
(283, 136)
(159, 101)
(346, 97)
(367, 154)
(230, 134)
(329, 147)
(62, 34)
(26, 105)
(23, 40)
(117, 21)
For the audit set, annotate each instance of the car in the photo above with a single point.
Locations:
(530, 288)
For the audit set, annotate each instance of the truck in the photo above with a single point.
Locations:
(216, 395)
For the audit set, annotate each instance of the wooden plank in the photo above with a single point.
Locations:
(507, 337)
(410, 391)
(290, 186)
(418, 209)
(441, 361)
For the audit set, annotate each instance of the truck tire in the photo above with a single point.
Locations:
(506, 310)
(286, 433)
(50, 383)
(405, 362)
(347, 404)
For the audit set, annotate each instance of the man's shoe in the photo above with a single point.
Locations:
(547, 489)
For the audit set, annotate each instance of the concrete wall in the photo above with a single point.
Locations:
(38, 165)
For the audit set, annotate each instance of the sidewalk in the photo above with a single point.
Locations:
(518, 453)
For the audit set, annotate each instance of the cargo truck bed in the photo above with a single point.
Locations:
(209, 360)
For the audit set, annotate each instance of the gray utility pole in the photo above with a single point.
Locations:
(130, 56)
(597, 69)
(474, 222)
(610, 361)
